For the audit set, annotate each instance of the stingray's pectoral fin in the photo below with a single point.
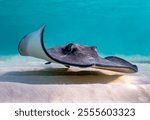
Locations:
(127, 65)
(33, 45)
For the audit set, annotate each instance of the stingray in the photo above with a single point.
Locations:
(71, 54)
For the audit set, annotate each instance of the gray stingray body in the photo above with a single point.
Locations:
(71, 54)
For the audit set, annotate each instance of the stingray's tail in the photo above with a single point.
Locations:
(33, 45)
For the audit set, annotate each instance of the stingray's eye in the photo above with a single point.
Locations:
(70, 48)
(93, 48)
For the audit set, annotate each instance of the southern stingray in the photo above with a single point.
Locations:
(71, 54)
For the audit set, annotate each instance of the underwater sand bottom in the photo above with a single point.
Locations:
(29, 80)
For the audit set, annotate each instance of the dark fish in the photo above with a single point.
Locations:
(71, 54)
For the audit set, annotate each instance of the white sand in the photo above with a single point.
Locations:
(24, 79)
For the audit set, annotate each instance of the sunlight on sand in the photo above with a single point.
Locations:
(30, 80)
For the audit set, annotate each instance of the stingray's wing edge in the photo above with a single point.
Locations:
(33, 45)
(126, 67)
(116, 69)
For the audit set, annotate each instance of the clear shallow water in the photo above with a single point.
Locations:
(115, 26)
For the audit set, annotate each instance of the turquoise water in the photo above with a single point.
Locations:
(115, 26)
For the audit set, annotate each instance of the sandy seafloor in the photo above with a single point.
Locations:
(25, 79)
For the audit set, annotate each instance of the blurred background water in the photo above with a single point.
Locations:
(115, 26)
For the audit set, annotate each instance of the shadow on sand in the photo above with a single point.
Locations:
(57, 76)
